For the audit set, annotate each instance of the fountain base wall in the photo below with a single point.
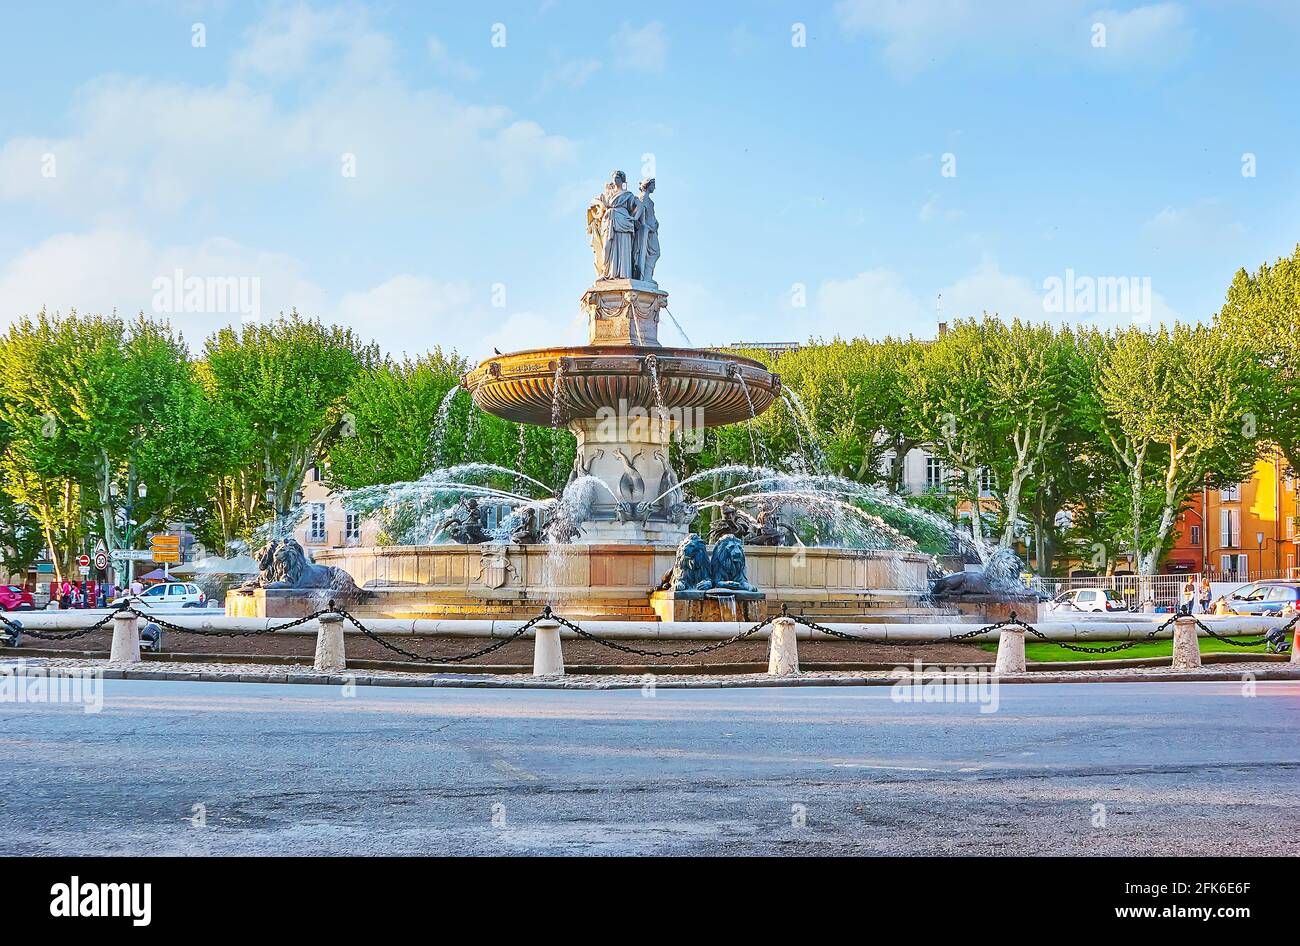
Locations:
(616, 582)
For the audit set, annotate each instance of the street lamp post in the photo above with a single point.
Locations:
(141, 491)
(1259, 543)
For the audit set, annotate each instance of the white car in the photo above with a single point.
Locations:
(169, 594)
(1088, 599)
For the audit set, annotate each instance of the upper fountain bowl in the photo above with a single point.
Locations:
(521, 386)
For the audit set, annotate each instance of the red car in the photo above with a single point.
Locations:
(13, 598)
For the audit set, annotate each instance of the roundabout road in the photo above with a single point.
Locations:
(195, 768)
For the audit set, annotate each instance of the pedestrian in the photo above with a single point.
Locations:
(1206, 594)
(65, 595)
(1187, 597)
(136, 587)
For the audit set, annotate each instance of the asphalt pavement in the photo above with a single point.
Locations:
(207, 768)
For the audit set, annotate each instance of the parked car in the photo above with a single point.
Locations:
(13, 598)
(1263, 597)
(169, 594)
(1099, 600)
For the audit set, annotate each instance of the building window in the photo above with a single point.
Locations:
(1195, 535)
(934, 474)
(1230, 528)
(986, 481)
(1290, 528)
(352, 526)
(1234, 567)
(1230, 494)
(316, 533)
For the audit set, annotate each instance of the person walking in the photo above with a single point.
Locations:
(1205, 595)
(1187, 597)
(65, 595)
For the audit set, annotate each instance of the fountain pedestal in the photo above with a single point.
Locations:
(748, 607)
(623, 312)
(628, 452)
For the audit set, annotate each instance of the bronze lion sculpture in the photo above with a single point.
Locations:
(283, 563)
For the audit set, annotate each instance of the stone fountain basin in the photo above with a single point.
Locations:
(521, 386)
(615, 582)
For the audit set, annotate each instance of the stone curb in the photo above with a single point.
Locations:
(636, 683)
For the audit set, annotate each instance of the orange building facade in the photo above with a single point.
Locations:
(1247, 531)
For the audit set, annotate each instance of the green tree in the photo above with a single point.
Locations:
(392, 410)
(1172, 410)
(285, 384)
(1263, 309)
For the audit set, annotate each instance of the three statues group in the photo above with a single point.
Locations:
(624, 230)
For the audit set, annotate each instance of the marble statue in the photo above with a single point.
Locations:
(611, 221)
(645, 245)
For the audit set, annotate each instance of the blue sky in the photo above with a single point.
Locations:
(784, 170)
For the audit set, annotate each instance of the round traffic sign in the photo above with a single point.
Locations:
(101, 559)
(83, 560)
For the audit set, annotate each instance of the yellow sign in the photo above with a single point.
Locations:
(162, 555)
(165, 541)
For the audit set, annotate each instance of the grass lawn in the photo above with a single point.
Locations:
(1041, 651)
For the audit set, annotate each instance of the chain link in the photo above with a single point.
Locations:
(1011, 621)
(1233, 641)
(439, 659)
(614, 645)
(206, 632)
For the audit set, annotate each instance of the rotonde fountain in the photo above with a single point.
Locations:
(613, 532)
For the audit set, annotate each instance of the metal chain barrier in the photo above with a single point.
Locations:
(1011, 621)
(65, 636)
(1109, 649)
(614, 645)
(1233, 641)
(205, 632)
(436, 658)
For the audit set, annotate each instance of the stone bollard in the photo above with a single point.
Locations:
(1187, 650)
(782, 649)
(1011, 649)
(126, 639)
(548, 658)
(330, 655)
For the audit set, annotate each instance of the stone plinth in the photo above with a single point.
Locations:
(1187, 649)
(746, 606)
(994, 608)
(285, 602)
(783, 648)
(623, 312)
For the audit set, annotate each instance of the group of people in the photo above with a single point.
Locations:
(89, 594)
(1193, 592)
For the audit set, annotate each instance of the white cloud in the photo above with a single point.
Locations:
(1206, 224)
(918, 34)
(1144, 36)
(987, 289)
(141, 146)
(644, 49)
(448, 64)
(114, 269)
(572, 74)
(872, 304)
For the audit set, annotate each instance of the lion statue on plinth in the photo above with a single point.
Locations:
(283, 564)
(691, 571)
(728, 567)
